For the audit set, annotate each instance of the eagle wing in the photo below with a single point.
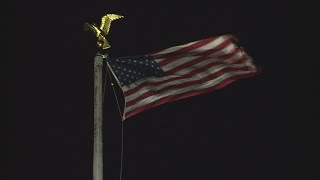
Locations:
(92, 28)
(106, 22)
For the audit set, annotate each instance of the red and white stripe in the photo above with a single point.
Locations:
(191, 69)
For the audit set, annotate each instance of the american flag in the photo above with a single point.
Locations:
(179, 72)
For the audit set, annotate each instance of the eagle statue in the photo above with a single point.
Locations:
(103, 30)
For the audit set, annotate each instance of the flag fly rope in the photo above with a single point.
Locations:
(104, 86)
(114, 92)
(121, 160)
(122, 119)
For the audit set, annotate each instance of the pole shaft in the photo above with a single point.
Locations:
(98, 136)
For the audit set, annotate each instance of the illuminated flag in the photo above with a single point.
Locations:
(179, 72)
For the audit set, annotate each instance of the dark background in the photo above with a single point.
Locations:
(239, 132)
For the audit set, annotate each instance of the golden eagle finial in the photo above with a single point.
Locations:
(103, 30)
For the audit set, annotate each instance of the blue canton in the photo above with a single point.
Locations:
(130, 69)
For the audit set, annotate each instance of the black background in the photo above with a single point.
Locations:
(239, 132)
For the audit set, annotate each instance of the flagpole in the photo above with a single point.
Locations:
(98, 121)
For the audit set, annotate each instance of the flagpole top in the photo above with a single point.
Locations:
(104, 56)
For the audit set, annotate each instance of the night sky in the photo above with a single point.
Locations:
(238, 132)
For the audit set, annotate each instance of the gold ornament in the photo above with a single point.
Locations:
(103, 30)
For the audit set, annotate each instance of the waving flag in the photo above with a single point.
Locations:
(178, 72)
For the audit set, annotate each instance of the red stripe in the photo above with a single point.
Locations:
(187, 94)
(186, 84)
(190, 74)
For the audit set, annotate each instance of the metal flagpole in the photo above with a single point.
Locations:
(103, 44)
(98, 136)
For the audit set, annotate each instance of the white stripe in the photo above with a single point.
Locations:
(178, 62)
(184, 71)
(186, 59)
(195, 77)
(213, 43)
(200, 49)
(205, 62)
(205, 85)
(225, 50)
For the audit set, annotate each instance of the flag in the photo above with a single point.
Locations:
(179, 72)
